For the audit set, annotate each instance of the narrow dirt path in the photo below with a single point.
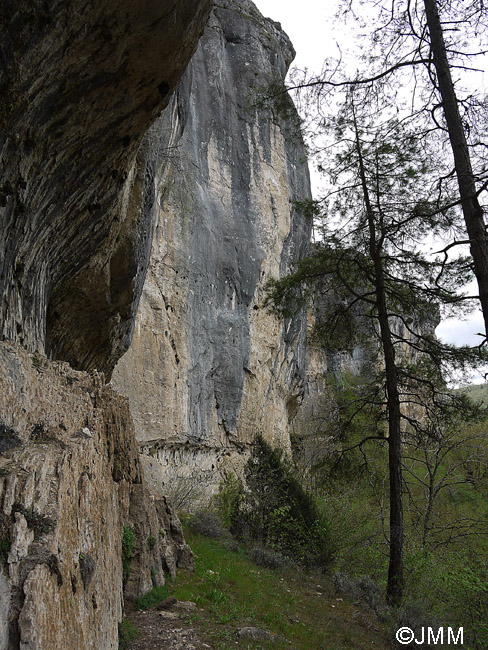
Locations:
(165, 629)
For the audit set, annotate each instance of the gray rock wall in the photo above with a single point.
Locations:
(81, 81)
(209, 368)
(70, 481)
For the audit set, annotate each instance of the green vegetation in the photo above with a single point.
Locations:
(5, 538)
(36, 361)
(370, 265)
(153, 597)
(445, 481)
(127, 633)
(274, 510)
(5, 544)
(396, 136)
(128, 539)
(269, 582)
(299, 609)
(476, 392)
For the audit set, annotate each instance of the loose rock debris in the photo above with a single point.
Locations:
(167, 628)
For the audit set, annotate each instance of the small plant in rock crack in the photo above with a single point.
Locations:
(39, 433)
(36, 361)
(5, 539)
(128, 539)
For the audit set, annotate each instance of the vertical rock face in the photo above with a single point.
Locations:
(209, 367)
(70, 484)
(80, 83)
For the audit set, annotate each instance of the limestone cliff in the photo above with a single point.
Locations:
(70, 481)
(84, 178)
(209, 367)
(80, 83)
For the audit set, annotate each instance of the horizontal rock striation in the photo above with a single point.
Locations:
(80, 83)
(70, 491)
(209, 367)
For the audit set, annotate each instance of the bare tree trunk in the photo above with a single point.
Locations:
(394, 589)
(472, 211)
(428, 510)
(395, 585)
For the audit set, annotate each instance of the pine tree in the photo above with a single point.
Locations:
(381, 179)
(414, 48)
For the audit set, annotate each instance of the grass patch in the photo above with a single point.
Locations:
(127, 633)
(153, 597)
(234, 592)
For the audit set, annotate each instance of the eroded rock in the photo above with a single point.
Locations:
(65, 498)
(209, 367)
(80, 84)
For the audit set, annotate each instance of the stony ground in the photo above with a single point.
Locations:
(185, 627)
(171, 628)
(179, 627)
(230, 603)
(157, 631)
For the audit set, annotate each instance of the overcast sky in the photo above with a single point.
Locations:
(309, 24)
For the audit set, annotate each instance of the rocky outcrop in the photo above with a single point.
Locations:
(209, 367)
(70, 492)
(80, 83)
(82, 183)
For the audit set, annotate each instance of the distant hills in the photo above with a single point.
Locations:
(477, 392)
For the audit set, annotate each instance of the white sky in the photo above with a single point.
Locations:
(310, 26)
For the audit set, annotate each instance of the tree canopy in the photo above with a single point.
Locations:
(374, 221)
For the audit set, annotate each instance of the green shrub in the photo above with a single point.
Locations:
(208, 524)
(275, 510)
(361, 589)
(227, 501)
(467, 588)
(268, 558)
(128, 539)
(452, 586)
